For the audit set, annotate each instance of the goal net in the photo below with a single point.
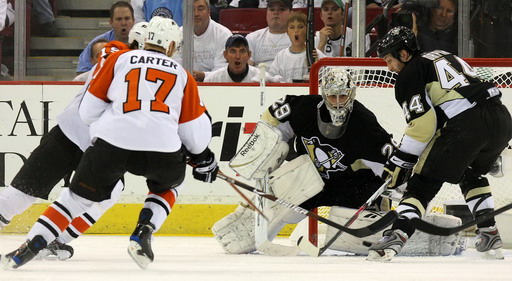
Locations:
(375, 89)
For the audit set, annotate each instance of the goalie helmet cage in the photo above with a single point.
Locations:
(372, 74)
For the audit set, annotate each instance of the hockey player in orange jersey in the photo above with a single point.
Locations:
(145, 114)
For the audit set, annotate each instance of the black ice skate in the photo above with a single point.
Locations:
(140, 245)
(26, 252)
(56, 250)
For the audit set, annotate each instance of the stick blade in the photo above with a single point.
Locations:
(307, 247)
(427, 227)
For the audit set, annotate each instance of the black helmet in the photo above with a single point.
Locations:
(398, 38)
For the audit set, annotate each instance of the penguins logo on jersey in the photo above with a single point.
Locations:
(325, 157)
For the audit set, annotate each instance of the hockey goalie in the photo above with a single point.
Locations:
(341, 151)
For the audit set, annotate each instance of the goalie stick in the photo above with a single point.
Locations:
(368, 230)
(307, 247)
(249, 202)
(427, 227)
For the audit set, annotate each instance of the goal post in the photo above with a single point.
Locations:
(375, 89)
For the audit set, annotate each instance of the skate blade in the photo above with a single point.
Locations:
(7, 263)
(495, 254)
(141, 260)
(382, 256)
(44, 254)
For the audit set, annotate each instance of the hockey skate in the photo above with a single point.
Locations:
(140, 245)
(3, 221)
(388, 246)
(26, 252)
(488, 242)
(56, 249)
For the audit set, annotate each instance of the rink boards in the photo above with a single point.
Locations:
(30, 109)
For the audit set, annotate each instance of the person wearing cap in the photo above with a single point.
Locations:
(237, 54)
(265, 43)
(209, 40)
(330, 38)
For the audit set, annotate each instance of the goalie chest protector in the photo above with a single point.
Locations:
(364, 138)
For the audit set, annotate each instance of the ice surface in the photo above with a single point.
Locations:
(99, 258)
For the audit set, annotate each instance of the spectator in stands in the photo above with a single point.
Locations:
(44, 14)
(291, 63)
(332, 36)
(237, 54)
(439, 30)
(265, 43)
(144, 10)
(6, 14)
(121, 21)
(96, 48)
(209, 40)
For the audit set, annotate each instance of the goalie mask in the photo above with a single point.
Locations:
(338, 93)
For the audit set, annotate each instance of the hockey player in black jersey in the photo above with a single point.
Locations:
(457, 128)
(340, 139)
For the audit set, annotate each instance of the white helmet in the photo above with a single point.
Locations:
(138, 33)
(338, 93)
(162, 31)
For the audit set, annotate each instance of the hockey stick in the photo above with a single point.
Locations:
(427, 227)
(243, 196)
(310, 31)
(344, 31)
(310, 249)
(262, 66)
(373, 228)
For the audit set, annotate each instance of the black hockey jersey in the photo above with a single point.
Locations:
(365, 144)
(433, 88)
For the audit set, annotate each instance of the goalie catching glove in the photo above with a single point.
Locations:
(205, 166)
(399, 168)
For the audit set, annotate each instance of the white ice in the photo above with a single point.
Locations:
(99, 258)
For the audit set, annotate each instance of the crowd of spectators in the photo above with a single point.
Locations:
(436, 28)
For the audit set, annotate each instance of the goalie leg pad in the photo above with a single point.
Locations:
(263, 152)
(423, 244)
(420, 243)
(235, 232)
(294, 182)
(349, 243)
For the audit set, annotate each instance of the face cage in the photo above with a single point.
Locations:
(340, 112)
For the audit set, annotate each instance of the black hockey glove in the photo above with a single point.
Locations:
(399, 168)
(205, 166)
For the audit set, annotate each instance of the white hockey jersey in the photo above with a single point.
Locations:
(145, 101)
(69, 120)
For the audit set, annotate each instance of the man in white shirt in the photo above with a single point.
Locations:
(209, 40)
(237, 54)
(265, 43)
(332, 36)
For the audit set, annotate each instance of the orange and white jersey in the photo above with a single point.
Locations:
(69, 120)
(145, 101)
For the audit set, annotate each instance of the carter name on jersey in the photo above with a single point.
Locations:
(152, 60)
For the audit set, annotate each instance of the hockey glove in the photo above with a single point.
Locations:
(205, 166)
(399, 167)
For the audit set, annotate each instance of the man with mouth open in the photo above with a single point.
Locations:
(121, 20)
(237, 54)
